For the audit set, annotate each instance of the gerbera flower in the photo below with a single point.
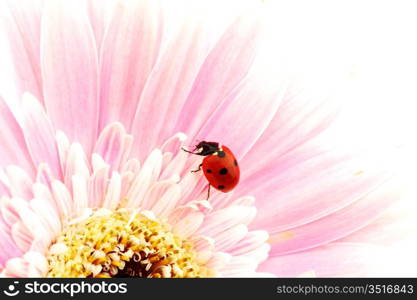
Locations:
(95, 183)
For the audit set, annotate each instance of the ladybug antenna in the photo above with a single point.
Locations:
(188, 151)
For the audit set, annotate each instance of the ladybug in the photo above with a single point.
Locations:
(220, 166)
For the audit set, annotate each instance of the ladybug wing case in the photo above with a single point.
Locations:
(222, 172)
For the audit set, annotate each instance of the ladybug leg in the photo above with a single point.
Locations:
(208, 192)
(199, 168)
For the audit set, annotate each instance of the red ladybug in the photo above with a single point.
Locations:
(219, 166)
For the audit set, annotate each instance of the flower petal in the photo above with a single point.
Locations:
(7, 244)
(69, 70)
(14, 150)
(223, 70)
(4, 189)
(110, 145)
(188, 225)
(225, 219)
(338, 260)
(40, 135)
(248, 109)
(22, 24)
(32, 222)
(63, 200)
(20, 183)
(100, 15)
(337, 225)
(79, 193)
(302, 115)
(97, 187)
(229, 238)
(168, 201)
(147, 176)
(114, 189)
(129, 51)
(310, 183)
(175, 71)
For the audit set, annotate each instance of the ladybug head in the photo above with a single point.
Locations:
(206, 148)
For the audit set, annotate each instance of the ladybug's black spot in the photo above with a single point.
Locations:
(223, 171)
(221, 154)
(209, 171)
(235, 162)
(220, 187)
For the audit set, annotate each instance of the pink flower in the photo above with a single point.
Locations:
(95, 183)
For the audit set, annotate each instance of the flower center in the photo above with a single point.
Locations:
(122, 244)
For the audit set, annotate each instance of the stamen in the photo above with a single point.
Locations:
(122, 243)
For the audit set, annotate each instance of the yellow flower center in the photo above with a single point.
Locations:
(122, 244)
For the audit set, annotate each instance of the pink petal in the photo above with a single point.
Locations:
(238, 266)
(219, 260)
(114, 189)
(7, 244)
(129, 51)
(33, 264)
(229, 238)
(155, 193)
(202, 243)
(146, 177)
(21, 236)
(186, 212)
(63, 200)
(332, 260)
(22, 27)
(127, 148)
(47, 214)
(79, 193)
(188, 225)
(38, 261)
(199, 184)
(337, 225)
(127, 180)
(100, 15)
(41, 191)
(76, 164)
(308, 184)
(248, 109)
(31, 221)
(69, 69)
(97, 187)
(259, 253)
(98, 162)
(395, 226)
(175, 165)
(17, 267)
(175, 71)
(167, 200)
(222, 200)
(40, 135)
(132, 165)
(252, 241)
(14, 149)
(20, 183)
(63, 146)
(225, 219)
(221, 73)
(9, 215)
(110, 145)
(44, 175)
(4, 189)
(287, 141)
(302, 115)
